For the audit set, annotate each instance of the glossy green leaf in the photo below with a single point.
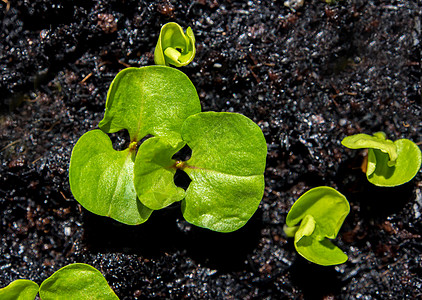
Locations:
(381, 169)
(154, 174)
(407, 165)
(101, 179)
(314, 248)
(76, 281)
(321, 212)
(226, 169)
(152, 100)
(174, 46)
(377, 141)
(20, 289)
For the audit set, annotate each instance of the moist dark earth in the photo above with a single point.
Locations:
(307, 76)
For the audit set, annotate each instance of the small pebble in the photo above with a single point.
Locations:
(67, 231)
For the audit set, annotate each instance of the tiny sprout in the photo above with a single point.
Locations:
(174, 47)
(313, 219)
(389, 163)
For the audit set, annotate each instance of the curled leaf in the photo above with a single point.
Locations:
(317, 250)
(174, 46)
(377, 141)
(407, 165)
(389, 163)
(321, 212)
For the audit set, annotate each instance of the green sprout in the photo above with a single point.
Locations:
(74, 281)
(226, 167)
(174, 47)
(150, 100)
(389, 163)
(313, 219)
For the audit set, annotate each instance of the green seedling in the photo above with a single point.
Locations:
(313, 219)
(226, 166)
(151, 100)
(174, 47)
(75, 281)
(389, 163)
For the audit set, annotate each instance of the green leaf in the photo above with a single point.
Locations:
(321, 212)
(306, 228)
(101, 179)
(20, 289)
(152, 100)
(389, 163)
(76, 281)
(308, 244)
(174, 46)
(226, 168)
(407, 165)
(377, 141)
(327, 206)
(154, 174)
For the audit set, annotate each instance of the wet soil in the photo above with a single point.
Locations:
(308, 77)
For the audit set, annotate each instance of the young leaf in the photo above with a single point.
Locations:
(101, 179)
(407, 165)
(154, 174)
(174, 46)
(226, 168)
(321, 212)
(152, 100)
(314, 247)
(377, 141)
(381, 169)
(20, 289)
(76, 281)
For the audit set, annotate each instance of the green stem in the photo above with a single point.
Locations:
(290, 231)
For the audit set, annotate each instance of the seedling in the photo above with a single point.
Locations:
(226, 166)
(313, 219)
(389, 163)
(228, 150)
(174, 46)
(75, 281)
(150, 100)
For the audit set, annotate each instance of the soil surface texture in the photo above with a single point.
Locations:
(308, 76)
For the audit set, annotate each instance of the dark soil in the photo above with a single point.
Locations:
(308, 77)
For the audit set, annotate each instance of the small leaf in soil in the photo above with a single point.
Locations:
(152, 100)
(174, 47)
(101, 179)
(76, 281)
(20, 289)
(226, 168)
(320, 213)
(389, 163)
